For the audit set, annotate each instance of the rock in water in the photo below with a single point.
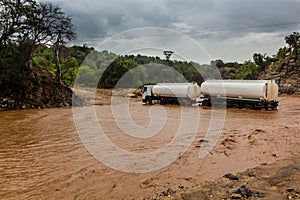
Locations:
(231, 176)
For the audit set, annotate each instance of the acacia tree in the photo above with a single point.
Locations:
(293, 41)
(29, 24)
(50, 26)
(14, 19)
(59, 30)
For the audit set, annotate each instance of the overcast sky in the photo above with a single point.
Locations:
(231, 30)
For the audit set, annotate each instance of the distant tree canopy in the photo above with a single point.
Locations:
(134, 71)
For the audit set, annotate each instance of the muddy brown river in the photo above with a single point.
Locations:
(42, 156)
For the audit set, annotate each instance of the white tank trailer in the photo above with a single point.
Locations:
(250, 94)
(171, 93)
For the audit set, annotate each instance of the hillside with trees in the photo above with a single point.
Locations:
(283, 67)
(25, 27)
(146, 69)
(286, 71)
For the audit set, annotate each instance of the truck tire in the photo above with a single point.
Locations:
(248, 106)
(266, 107)
(150, 101)
(236, 106)
(206, 103)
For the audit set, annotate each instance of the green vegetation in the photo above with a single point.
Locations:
(26, 28)
(293, 41)
(109, 70)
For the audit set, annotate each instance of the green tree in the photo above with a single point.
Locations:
(293, 41)
(50, 25)
(30, 24)
(15, 19)
(259, 59)
(218, 63)
(86, 77)
(115, 71)
(263, 61)
(60, 28)
(248, 70)
(69, 71)
(282, 53)
(12, 68)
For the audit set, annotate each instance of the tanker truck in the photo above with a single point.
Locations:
(171, 93)
(249, 94)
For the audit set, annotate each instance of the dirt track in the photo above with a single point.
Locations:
(42, 157)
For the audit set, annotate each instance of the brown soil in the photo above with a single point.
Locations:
(279, 180)
(40, 89)
(42, 157)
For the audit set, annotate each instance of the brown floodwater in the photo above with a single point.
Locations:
(42, 154)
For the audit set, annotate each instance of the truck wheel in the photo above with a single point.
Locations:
(266, 107)
(248, 106)
(236, 106)
(150, 101)
(206, 103)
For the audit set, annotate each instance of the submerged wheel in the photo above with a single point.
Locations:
(150, 101)
(248, 106)
(236, 106)
(206, 103)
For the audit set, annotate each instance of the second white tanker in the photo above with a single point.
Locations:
(251, 94)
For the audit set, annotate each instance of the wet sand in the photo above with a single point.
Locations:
(42, 156)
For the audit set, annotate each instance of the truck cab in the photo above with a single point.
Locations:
(147, 94)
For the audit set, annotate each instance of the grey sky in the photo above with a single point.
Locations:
(231, 30)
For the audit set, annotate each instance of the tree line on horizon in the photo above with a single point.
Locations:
(35, 35)
(108, 70)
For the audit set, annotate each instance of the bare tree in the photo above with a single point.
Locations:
(53, 28)
(14, 19)
(60, 30)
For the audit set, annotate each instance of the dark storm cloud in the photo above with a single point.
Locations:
(263, 14)
(239, 17)
(245, 25)
(100, 18)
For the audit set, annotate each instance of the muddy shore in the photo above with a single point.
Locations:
(278, 180)
(42, 156)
